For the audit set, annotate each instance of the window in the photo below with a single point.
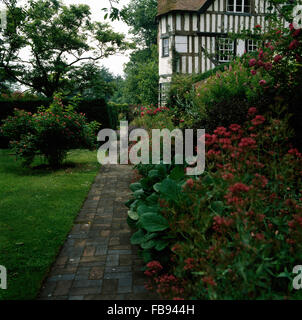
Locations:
(252, 45)
(226, 49)
(181, 44)
(163, 92)
(241, 6)
(166, 47)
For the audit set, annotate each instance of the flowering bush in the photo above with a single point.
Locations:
(224, 98)
(151, 117)
(280, 59)
(234, 232)
(50, 133)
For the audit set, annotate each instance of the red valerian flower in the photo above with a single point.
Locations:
(222, 131)
(294, 44)
(268, 66)
(295, 153)
(234, 127)
(252, 62)
(277, 58)
(253, 72)
(190, 183)
(262, 82)
(247, 142)
(258, 120)
(260, 236)
(210, 281)
(239, 187)
(296, 33)
(252, 111)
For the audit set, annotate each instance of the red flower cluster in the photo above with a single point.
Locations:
(151, 111)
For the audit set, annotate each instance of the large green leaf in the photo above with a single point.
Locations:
(153, 174)
(157, 186)
(148, 244)
(135, 186)
(139, 193)
(133, 215)
(170, 189)
(161, 245)
(177, 173)
(153, 222)
(153, 198)
(137, 237)
(142, 209)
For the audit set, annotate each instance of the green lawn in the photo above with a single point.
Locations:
(37, 210)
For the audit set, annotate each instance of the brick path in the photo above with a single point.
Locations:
(97, 261)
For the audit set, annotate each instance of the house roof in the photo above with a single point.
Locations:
(165, 6)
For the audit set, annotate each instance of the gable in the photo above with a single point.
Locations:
(165, 6)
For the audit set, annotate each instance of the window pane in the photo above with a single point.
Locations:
(166, 47)
(231, 5)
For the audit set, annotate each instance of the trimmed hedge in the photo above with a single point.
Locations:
(95, 110)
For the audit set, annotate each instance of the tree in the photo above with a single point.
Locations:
(140, 15)
(142, 77)
(59, 39)
(91, 82)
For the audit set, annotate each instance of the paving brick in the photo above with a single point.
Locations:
(110, 286)
(84, 291)
(112, 260)
(105, 233)
(96, 273)
(116, 252)
(76, 298)
(125, 260)
(62, 288)
(101, 250)
(97, 261)
(124, 285)
(87, 283)
(117, 275)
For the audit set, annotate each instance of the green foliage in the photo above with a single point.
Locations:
(235, 231)
(140, 15)
(51, 133)
(91, 82)
(145, 212)
(94, 110)
(142, 78)
(58, 39)
(224, 98)
(152, 118)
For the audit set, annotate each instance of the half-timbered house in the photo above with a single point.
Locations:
(193, 34)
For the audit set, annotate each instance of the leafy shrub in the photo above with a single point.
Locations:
(235, 231)
(152, 118)
(224, 99)
(50, 132)
(95, 110)
(281, 59)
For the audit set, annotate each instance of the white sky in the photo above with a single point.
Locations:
(113, 63)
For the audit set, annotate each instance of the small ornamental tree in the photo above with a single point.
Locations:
(50, 132)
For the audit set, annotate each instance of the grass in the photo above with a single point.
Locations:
(37, 210)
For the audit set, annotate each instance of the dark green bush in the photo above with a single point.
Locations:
(50, 132)
(94, 110)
